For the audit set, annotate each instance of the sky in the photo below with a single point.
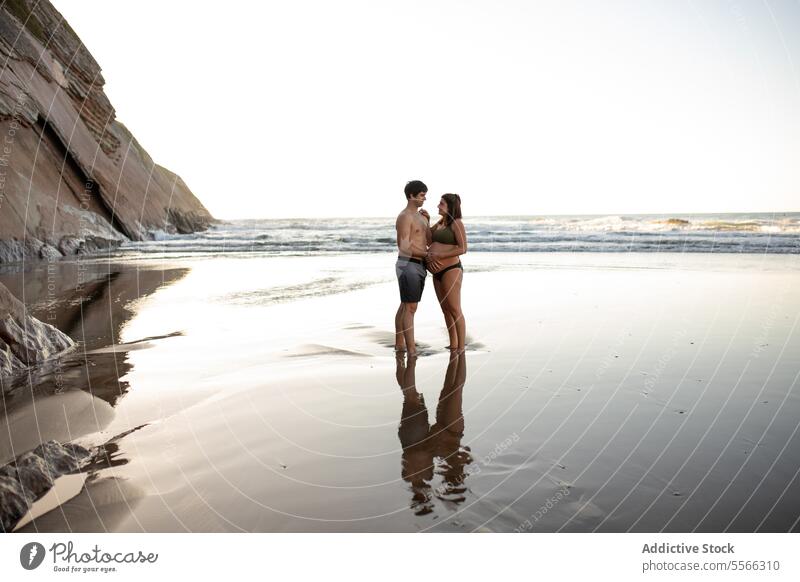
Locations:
(318, 108)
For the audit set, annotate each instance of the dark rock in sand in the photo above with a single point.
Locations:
(13, 504)
(32, 474)
(24, 340)
(72, 178)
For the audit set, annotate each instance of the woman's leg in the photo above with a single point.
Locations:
(448, 319)
(451, 284)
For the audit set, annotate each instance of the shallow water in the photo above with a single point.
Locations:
(602, 392)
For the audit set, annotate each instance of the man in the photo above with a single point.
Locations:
(413, 238)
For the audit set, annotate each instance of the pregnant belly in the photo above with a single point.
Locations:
(437, 247)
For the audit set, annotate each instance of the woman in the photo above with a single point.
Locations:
(449, 241)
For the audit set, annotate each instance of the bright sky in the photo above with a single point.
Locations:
(319, 108)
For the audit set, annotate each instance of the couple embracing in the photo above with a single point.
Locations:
(426, 248)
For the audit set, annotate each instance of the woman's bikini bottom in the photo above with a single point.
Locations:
(438, 276)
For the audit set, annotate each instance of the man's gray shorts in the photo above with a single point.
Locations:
(411, 279)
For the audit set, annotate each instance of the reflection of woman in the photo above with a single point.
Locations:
(449, 242)
(422, 444)
(447, 432)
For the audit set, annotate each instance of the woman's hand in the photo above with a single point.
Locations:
(433, 265)
(432, 262)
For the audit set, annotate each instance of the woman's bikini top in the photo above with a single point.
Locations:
(444, 235)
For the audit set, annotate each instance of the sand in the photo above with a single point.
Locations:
(599, 392)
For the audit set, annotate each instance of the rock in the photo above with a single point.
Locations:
(68, 245)
(61, 459)
(24, 340)
(49, 252)
(72, 178)
(9, 472)
(32, 474)
(187, 222)
(13, 504)
(12, 251)
(93, 244)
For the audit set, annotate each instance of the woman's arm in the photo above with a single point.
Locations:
(461, 242)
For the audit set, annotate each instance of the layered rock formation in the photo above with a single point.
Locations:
(72, 178)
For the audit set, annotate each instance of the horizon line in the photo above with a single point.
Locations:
(525, 215)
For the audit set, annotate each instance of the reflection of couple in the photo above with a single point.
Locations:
(436, 248)
(422, 443)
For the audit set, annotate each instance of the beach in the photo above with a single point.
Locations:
(599, 391)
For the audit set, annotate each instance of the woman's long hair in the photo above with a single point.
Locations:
(453, 208)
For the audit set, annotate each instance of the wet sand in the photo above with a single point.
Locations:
(599, 392)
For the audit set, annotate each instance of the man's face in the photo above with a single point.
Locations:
(419, 199)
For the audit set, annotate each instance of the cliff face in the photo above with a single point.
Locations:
(72, 178)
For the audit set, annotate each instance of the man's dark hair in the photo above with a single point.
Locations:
(414, 187)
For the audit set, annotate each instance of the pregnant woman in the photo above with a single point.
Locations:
(449, 242)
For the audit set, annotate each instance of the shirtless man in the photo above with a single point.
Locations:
(413, 238)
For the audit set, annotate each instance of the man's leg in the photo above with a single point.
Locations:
(409, 309)
(399, 340)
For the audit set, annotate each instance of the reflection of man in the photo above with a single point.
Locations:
(413, 238)
(417, 461)
(422, 444)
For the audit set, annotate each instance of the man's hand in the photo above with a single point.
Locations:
(425, 214)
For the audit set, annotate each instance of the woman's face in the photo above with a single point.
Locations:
(442, 207)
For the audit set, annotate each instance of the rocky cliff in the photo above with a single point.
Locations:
(72, 178)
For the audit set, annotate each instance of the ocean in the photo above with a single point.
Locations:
(772, 233)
